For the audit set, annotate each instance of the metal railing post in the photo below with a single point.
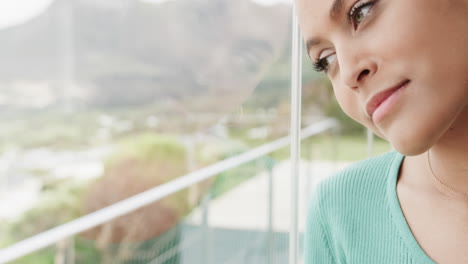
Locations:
(335, 134)
(370, 143)
(207, 250)
(270, 166)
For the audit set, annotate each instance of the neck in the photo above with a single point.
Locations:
(449, 157)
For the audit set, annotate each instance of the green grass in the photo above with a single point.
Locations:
(322, 147)
(229, 179)
(44, 256)
(343, 148)
(340, 148)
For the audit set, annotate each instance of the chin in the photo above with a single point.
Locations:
(410, 143)
(410, 150)
(407, 144)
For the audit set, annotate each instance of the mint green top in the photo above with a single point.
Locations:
(355, 217)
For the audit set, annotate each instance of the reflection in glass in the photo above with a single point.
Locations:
(104, 99)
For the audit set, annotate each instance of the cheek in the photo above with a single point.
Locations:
(348, 101)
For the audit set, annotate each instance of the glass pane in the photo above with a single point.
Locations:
(102, 100)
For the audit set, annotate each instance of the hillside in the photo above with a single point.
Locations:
(124, 53)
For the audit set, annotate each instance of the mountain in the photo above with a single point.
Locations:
(126, 53)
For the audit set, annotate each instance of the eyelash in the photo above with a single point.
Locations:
(320, 64)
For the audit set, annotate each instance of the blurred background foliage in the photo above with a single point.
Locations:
(139, 163)
(117, 83)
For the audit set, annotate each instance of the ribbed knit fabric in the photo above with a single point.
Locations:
(355, 217)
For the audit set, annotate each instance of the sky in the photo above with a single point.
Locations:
(262, 2)
(16, 12)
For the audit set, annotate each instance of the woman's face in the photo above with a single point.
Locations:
(399, 67)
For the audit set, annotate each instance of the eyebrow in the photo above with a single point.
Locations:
(336, 8)
(312, 42)
(334, 11)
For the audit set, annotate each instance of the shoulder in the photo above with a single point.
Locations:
(348, 208)
(356, 185)
(361, 175)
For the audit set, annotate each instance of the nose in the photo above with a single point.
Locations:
(356, 67)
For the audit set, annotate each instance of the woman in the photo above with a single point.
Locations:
(400, 68)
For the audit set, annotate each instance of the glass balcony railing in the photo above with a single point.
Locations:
(237, 218)
(159, 131)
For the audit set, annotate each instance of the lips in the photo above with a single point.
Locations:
(380, 97)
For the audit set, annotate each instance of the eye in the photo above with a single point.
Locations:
(359, 12)
(323, 64)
